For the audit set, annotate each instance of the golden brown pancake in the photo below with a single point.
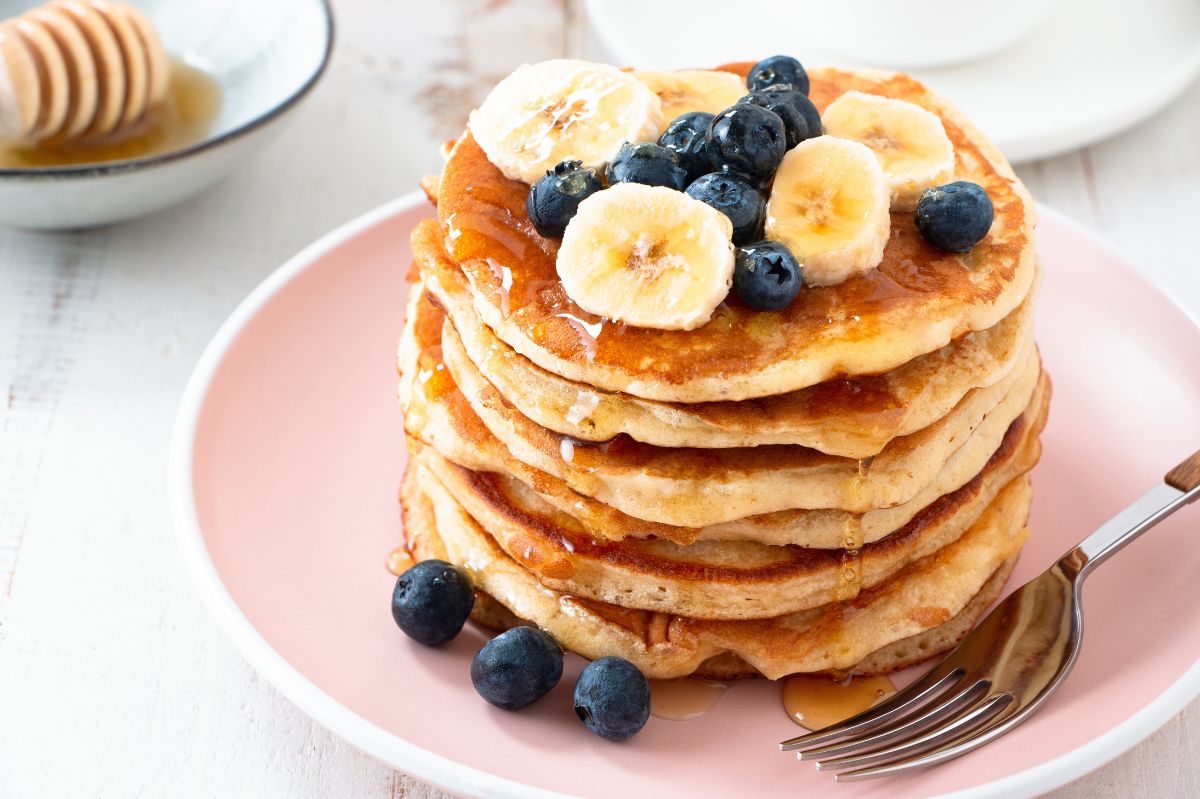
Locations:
(925, 595)
(425, 544)
(438, 414)
(918, 300)
(694, 487)
(852, 418)
(716, 579)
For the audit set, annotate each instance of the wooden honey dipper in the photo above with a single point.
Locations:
(78, 70)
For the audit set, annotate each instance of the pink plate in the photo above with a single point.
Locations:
(285, 468)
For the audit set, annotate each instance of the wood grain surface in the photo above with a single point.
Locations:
(113, 680)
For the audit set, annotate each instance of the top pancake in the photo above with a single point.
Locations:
(853, 418)
(918, 300)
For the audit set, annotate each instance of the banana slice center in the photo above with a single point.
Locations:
(650, 259)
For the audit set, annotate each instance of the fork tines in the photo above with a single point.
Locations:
(939, 717)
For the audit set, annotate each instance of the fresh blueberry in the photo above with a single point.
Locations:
(555, 198)
(432, 601)
(747, 139)
(812, 117)
(686, 136)
(735, 197)
(777, 69)
(647, 163)
(956, 216)
(801, 120)
(517, 667)
(810, 113)
(766, 275)
(612, 698)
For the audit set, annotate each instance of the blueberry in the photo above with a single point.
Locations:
(735, 197)
(766, 275)
(517, 667)
(686, 136)
(555, 198)
(777, 69)
(956, 216)
(800, 117)
(612, 698)
(432, 601)
(747, 139)
(647, 163)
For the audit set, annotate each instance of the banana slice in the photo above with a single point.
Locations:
(829, 205)
(544, 113)
(693, 90)
(648, 256)
(910, 142)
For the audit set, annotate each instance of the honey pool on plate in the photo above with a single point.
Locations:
(811, 700)
(816, 701)
(184, 118)
(685, 698)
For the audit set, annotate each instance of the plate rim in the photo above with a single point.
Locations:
(1022, 149)
(444, 772)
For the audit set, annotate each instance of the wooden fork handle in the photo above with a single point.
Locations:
(1186, 476)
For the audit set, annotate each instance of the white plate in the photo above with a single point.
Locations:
(1095, 68)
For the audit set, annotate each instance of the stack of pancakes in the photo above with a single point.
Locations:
(838, 486)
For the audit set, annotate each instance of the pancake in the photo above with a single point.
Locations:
(697, 488)
(694, 487)
(439, 416)
(424, 543)
(851, 418)
(917, 301)
(709, 579)
(893, 657)
(816, 529)
(925, 595)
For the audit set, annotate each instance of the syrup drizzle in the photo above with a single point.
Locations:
(815, 701)
(568, 445)
(399, 561)
(588, 333)
(504, 277)
(581, 409)
(686, 698)
(852, 537)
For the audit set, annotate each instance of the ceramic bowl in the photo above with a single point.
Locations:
(266, 54)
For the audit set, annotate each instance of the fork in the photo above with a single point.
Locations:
(1000, 673)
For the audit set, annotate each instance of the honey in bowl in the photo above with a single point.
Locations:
(183, 118)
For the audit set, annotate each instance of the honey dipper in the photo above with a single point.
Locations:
(76, 70)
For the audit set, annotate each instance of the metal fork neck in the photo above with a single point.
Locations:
(1142, 514)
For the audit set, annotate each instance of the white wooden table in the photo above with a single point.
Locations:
(113, 681)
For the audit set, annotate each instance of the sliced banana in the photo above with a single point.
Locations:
(548, 112)
(693, 90)
(910, 142)
(829, 205)
(648, 256)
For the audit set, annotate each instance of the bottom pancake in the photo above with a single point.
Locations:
(893, 657)
(921, 612)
